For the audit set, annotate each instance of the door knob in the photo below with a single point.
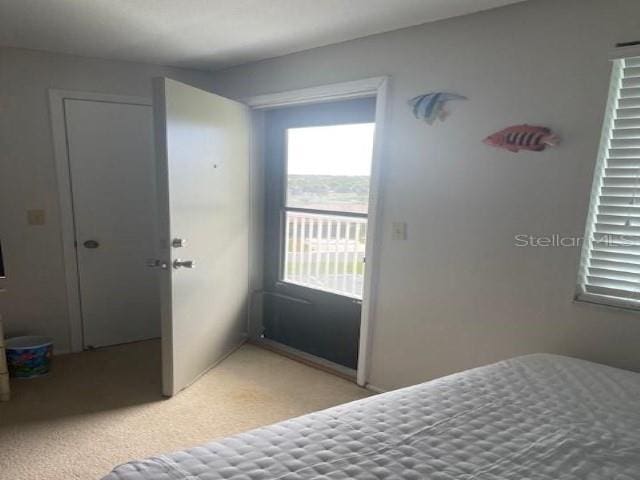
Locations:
(177, 263)
(91, 244)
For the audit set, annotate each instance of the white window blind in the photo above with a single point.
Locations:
(610, 263)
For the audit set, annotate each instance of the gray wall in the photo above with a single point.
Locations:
(35, 297)
(458, 293)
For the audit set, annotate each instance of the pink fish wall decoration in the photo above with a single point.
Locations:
(523, 137)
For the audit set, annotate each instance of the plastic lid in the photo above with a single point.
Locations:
(27, 342)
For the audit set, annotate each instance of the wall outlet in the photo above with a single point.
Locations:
(35, 217)
(399, 231)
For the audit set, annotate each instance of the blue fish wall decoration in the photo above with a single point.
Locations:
(430, 106)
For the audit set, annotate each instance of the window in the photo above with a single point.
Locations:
(610, 263)
(325, 212)
(328, 167)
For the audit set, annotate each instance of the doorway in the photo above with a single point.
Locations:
(225, 129)
(107, 166)
(317, 186)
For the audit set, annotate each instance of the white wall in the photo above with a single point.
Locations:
(458, 293)
(35, 298)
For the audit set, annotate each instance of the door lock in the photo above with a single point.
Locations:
(178, 242)
(177, 263)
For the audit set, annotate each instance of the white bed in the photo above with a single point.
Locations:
(535, 417)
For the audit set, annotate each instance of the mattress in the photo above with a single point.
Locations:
(538, 417)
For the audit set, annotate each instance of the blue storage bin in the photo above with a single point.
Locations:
(29, 357)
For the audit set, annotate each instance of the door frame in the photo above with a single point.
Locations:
(65, 199)
(377, 87)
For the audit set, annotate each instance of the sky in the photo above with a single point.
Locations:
(331, 150)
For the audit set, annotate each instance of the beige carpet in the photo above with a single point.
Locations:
(98, 409)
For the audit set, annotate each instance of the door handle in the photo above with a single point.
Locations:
(91, 244)
(177, 263)
(155, 263)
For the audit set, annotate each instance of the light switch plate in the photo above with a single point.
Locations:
(399, 231)
(35, 217)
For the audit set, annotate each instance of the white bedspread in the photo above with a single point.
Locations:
(538, 417)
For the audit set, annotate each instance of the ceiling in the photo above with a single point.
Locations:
(210, 34)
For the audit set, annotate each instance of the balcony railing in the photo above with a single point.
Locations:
(325, 252)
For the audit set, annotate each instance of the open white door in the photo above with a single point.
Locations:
(203, 148)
